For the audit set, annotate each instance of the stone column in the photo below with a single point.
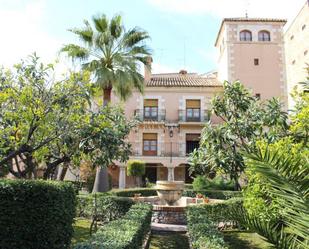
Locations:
(122, 177)
(170, 174)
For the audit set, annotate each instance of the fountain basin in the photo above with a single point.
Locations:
(169, 191)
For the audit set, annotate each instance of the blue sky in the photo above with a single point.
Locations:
(182, 31)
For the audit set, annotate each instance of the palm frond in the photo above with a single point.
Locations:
(75, 51)
(288, 178)
(100, 23)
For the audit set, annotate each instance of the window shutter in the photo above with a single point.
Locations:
(193, 103)
(150, 102)
(193, 137)
(150, 136)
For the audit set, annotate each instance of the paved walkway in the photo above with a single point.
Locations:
(168, 227)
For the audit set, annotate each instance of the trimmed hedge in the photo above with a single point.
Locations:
(130, 192)
(36, 214)
(107, 207)
(127, 232)
(203, 221)
(203, 233)
(213, 194)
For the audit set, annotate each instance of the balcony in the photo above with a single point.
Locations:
(162, 150)
(200, 116)
(158, 116)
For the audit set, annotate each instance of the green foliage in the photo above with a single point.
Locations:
(245, 119)
(218, 183)
(202, 231)
(131, 192)
(111, 53)
(135, 168)
(103, 206)
(287, 180)
(36, 214)
(104, 138)
(127, 232)
(40, 118)
(213, 194)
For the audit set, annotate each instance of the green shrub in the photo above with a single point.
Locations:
(202, 231)
(218, 183)
(213, 194)
(107, 208)
(36, 214)
(135, 168)
(132, 191)
(127, 232)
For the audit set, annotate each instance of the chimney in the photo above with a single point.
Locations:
(183, 72)
(147, 68)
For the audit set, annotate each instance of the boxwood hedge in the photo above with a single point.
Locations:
(203, 221)
(127, 232)
(213, 194)
(36, 214)
(105, 207)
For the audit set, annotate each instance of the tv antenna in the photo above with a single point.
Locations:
(247, 4)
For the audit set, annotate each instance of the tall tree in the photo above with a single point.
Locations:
(244, 120)
(113, 55)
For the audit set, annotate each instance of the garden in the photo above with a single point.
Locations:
(250, 187)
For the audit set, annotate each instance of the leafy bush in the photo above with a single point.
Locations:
(218, 183)
(222, 211)
(36, 214)
(127, 232)
(105, 207)
(132, 191)
(213, 194)
(202, 231)
(136, 168)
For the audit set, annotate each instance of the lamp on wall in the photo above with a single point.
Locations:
(171, 133)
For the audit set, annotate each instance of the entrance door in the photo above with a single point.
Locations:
(150, 173)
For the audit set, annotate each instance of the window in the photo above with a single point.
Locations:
(292, 37)
(151, 109)
(305, 52)
(149, 144)
(293, 62)
(256, 61)
(264, 35)
(245, 35)
(192, 142)
(193, 109)
(303, 27)
(258, 95)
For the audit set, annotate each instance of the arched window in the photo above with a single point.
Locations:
(245, 35)
(264, 35)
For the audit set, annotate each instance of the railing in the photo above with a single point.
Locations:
(162, 150)
(204, 116)
(139, 113)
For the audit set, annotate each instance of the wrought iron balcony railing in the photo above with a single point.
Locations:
(161, 150)
(201, 116)
(158, 116)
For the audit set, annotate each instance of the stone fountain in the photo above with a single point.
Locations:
(169, 192)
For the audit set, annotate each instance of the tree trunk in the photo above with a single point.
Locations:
(101, 183)
(63, 171)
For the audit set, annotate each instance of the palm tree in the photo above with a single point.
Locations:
(113, 55)
(288, 179)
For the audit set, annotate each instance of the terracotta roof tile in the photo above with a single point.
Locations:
(180, 80)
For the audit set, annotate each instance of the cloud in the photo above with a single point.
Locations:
(22, 32)
(232, 8)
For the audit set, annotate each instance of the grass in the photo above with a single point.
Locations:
(245, 240)
(81, 230)
(169, 241)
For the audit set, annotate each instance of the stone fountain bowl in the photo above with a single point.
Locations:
(169, 191)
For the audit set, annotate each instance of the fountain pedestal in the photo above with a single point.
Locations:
(169, 191)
